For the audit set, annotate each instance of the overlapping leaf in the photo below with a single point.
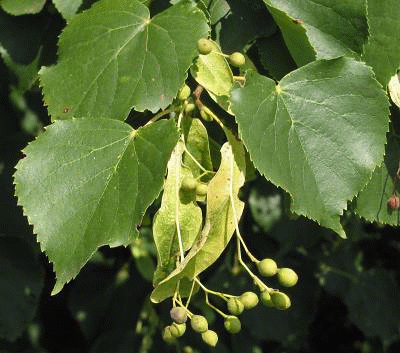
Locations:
(382, 51)
(87, 182)
(318, 134)
(114, 57)
(332, 28)
(371, 202)
(22, 7)
(67, 8)
(197, 145)
(220, 222)
(173, 210)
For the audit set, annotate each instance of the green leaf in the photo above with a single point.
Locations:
(196, 138)
(27, 74)
(371, 202)
(22, 7)
(173, 210)
(332, 29)
(213, 72)
(382, 51)
(67, 8)
(113, 57)
(219, 225)
(21, 284)
(318, 134)
(86, 183)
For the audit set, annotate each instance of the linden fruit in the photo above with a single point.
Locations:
(237, 59)
(178, 315)
(210, 337)
(267, 267)
(235, 306)
(232, 324)
(287, 277)
(281, 300)
(204, 46)
(199, 323)
(249, 300)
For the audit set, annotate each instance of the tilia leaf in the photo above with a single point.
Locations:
(318, 134)
(87, 182)
(114, 57)
(172, 212)
(220, 220)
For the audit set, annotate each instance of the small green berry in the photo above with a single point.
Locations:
(178, 314)
(204, 46)
(188, 184)
(199, 323)
(184, 93)
(287, 277)
(235, 306)
(281, 300)
(232, 324)
(249, 300)
(210, 337)
(177, 330)
(187, 349)
(167, 335)
(201, 189)
(237, 59)
(265, 298)
(189, 108)
(206, 114)
(267, 267)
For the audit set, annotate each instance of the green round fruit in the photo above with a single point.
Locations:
(237, 59)
(184, 93)
(235, 306)
(210, 337)
(167, 335)
(188, 184)
(187, 349)
(189, 108)
(201, 189)
(232, 324)
(267, 267)
(199, 323)
(206, 114)
(178, 314)
(204, 46)
(249, 300)
(177, 330)
(265, 298)
(287, 277)
(281, 300)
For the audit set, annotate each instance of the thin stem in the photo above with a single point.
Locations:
(235, 217)
(190, 295)
(162, 113)
(214, 307)
(223, 296)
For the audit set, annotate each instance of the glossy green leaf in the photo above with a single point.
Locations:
(22, 7)
(173, 210)
(67, 8)
(371, 202)
(87, 182)
(382, 51)
(332, 29)
(318, 134)
(219, 225)
(196, 139)
(113, 57)
(213, 72)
